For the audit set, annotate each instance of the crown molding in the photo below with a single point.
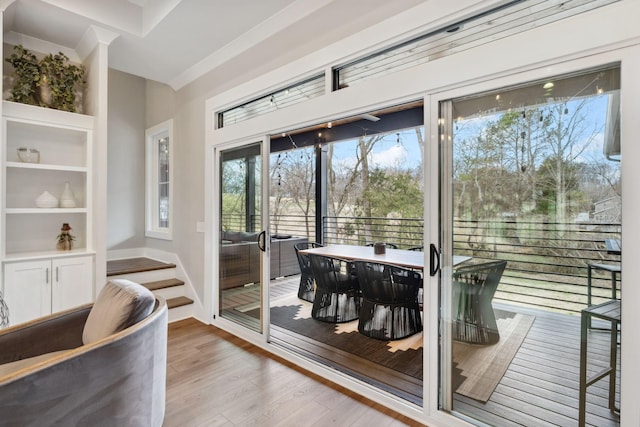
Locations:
(92, 37)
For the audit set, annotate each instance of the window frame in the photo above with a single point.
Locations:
(153, 136)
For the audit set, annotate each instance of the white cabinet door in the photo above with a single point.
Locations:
(72, 280)
(27, 290)
(36, 288)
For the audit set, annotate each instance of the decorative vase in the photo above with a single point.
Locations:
(67, 200)
(43, 94)
(47, 200)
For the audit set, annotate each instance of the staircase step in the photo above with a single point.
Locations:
(162, 284)
(178, 302)
(118, 267)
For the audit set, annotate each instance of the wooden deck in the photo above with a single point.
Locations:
(540, 387)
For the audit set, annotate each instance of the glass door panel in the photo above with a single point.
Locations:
(347, 184)
(241, 242)
(532, 196)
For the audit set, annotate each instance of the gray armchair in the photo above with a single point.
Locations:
(100, 364)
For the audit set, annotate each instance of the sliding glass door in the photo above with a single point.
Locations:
(349, 183)
(241, 241)
(531, 209)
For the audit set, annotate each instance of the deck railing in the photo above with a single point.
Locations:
(547, 261)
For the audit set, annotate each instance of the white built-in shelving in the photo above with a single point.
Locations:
(64, 143)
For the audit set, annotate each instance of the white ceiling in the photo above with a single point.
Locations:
(176, 41)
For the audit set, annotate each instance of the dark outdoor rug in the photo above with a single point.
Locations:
(477, 370)
(346, 337)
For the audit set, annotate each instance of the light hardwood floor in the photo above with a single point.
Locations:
(217, 379)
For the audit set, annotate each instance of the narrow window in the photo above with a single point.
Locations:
(159, 185)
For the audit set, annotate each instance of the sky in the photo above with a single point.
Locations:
(395, 149)
(590, 148)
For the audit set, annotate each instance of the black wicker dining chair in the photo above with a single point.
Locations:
(473, 288)
(390, 308)
(306, 290)
(337, 298)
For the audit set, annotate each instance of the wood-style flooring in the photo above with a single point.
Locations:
(217, 379)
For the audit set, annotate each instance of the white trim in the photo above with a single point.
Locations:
(92, 37)
(266, 255)
(212, 252)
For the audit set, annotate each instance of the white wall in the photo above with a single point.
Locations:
(188, 200)
(126, 160)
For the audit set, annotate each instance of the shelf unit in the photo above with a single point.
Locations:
(64, 141)
(73, 149)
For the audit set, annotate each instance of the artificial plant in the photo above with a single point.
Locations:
(48, 82)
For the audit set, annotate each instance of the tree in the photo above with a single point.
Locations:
(392, 192)
(293, 184)
(233, 194)
(569, 133)
(524, 160)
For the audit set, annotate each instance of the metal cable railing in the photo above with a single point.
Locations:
(547, 261)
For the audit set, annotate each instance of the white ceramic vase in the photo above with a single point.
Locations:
(67, 199)
(47, 200)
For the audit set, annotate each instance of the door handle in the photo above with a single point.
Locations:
(435, 260)
(261, 241)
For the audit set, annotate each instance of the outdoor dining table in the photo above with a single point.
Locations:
(400, 257)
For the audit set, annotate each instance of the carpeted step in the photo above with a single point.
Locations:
(178, 302)
(163, 284)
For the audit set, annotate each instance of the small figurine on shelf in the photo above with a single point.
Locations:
(65, 239)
